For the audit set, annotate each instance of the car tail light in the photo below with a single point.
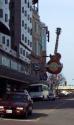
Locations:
(19, 108)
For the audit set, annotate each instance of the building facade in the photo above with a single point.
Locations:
(21, 29)
(23, 50)
(39, 35)
(15, 48)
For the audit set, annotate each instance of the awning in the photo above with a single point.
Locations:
(4, 29)
(34, 1)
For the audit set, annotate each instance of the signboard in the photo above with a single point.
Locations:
(36, 66)
(54, 66)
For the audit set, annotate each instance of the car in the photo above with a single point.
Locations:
(52, 96)
(16, 104)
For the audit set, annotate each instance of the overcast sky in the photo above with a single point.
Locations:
(60, 13)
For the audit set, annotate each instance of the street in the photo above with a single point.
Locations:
(58, 112)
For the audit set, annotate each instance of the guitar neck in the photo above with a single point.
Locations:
(57, 40)
(56, 45)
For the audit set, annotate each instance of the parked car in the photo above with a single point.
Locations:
(39, 91)
(64, 93)
(16, 104)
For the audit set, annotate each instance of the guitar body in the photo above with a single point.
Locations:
(54, 66)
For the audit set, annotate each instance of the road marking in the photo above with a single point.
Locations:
(21, 120)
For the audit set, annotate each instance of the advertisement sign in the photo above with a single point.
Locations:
(54, 66)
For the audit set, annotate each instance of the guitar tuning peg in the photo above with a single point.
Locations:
(58, 31)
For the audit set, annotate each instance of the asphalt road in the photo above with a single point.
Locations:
(59, 112)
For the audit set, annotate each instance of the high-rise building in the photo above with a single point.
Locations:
(22, 48)
(15, 48)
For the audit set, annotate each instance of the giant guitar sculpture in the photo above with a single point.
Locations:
(54, 65)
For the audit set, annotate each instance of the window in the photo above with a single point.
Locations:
(28, 42)
(3, 39)
(22, 36)
(28, 17)
(25, 13)
(28, 5)
(27, 54)
(6, 17)
(25, 26)
(23, 52)
(6, 1)
(5, 61)
(25, 39)
(25, 1)
(22, 23)
(1, 13)
(30, 8)
(13, 65)
(28, 30)
(7, 42)
(22, 9)
(30, 20)
(35, 88)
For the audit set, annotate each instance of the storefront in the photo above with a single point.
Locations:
(11, 80)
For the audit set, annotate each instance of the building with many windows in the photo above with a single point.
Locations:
(16, 15)
(23, 47)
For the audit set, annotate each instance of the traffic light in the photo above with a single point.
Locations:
(34, 1)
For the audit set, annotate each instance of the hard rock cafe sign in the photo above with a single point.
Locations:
(54, 66)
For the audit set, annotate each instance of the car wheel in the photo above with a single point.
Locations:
(30, 113)
(30, 110)
(26, 114)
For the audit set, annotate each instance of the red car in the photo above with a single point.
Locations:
(16, 104)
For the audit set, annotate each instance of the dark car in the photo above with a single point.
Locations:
(52, 96)
(16, 104)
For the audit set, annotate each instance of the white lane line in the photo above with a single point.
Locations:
(20, 120)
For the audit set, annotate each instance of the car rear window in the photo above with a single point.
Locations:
(18, 98)
(15, 97)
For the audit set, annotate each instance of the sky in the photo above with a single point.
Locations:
(60, 13)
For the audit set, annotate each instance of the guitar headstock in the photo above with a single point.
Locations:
(58, 31)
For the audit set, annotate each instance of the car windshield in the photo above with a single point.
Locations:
(15, 97)
(35, 89)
